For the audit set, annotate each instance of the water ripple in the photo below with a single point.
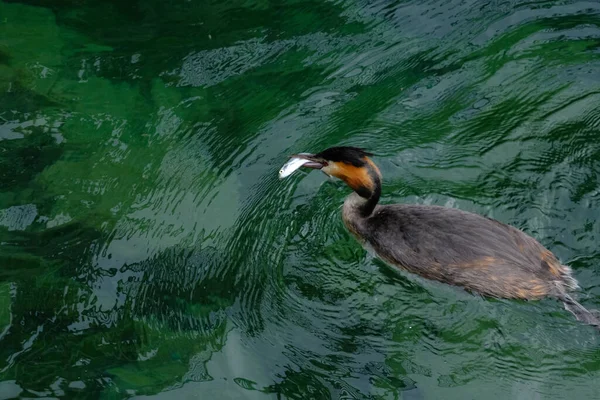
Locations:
(151, 246)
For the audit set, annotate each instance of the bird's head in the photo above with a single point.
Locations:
(350, 164)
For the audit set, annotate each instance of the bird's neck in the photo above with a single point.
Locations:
(360, 206)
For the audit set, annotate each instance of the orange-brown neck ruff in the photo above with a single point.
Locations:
(358, 178)
(365, 180)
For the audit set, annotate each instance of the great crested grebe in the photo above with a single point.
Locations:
(444, 244)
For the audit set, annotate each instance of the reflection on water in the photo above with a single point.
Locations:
(150, 250)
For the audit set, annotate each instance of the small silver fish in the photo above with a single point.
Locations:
(292, 165)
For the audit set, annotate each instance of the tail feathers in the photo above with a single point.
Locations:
(590, 317)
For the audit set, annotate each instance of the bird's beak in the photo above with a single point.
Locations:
(314, 162)
(301, 160)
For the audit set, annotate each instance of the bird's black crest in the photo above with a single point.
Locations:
(350, 155)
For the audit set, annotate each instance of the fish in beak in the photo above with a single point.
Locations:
(305, 160)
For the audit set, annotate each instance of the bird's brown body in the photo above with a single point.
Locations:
(445, 244)
(460, 248)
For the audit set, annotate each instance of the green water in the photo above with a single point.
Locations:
(147, 247)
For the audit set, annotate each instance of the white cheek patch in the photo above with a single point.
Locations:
(330, 170)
